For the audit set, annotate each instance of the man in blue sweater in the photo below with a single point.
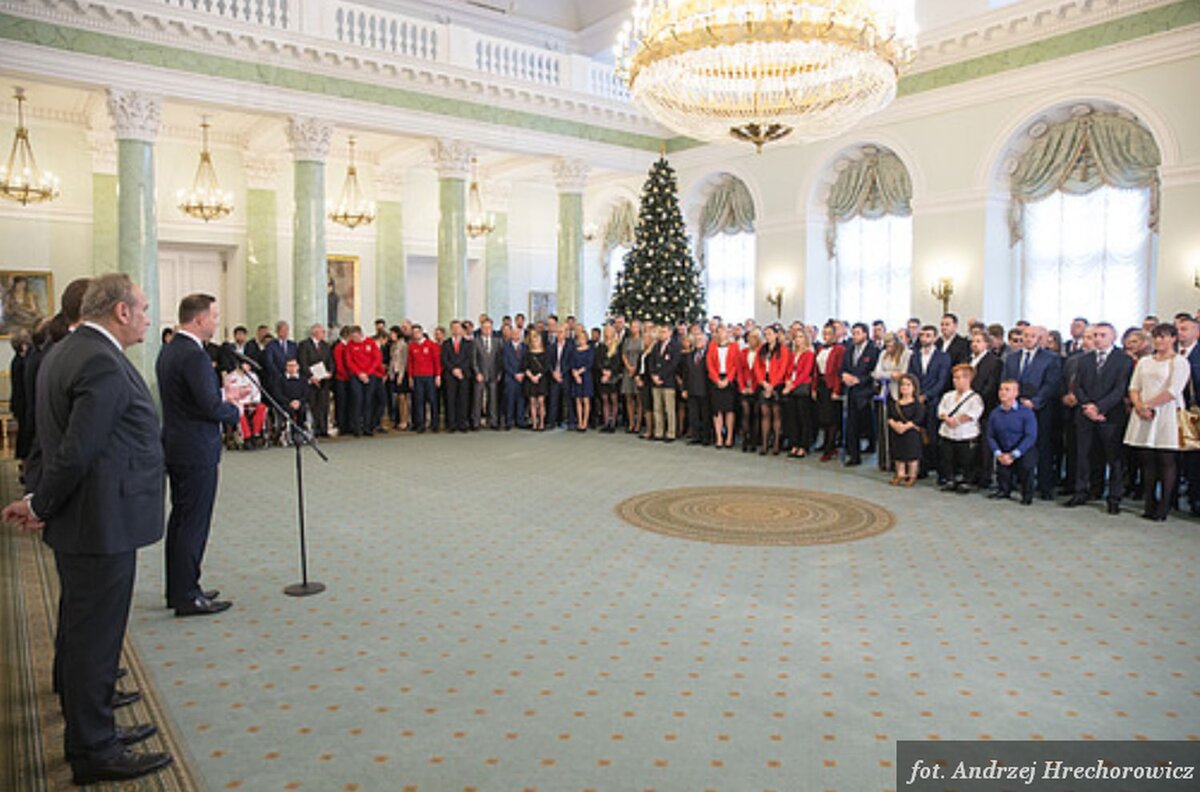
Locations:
(1012, 434)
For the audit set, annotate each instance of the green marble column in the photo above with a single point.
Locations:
(104, 223)
(308, 247)
(137, 242)
(452, 250)
(262, 258)
(390, 268)
(497, 298)
(570, 254)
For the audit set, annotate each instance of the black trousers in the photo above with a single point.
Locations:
(1022, 470)
(799, 419)
(987, 462)
(699, 412)
(458, 402)
(193, 491)
(96, 593)
(1092, 439)
(341, 405)
(318, 403)
(931, 452)
(1047, 475)
(361, 407)
(424, 395)
(858, 424)
(958, 458)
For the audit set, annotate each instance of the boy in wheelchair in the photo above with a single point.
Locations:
(249, 433)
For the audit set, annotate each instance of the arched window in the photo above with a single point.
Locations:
(727, 248)
(616, 239)
(869, 237)
(1082, 219)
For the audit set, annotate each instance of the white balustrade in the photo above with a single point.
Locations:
(518, 62)
(278, 14)
(603, 81)
(380, 31)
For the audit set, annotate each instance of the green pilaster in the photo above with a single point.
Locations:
(262, 258)
(137, 242)
(452, 250)
(390, 269)
(570, 254)
(496, 257)
(104, 223)
(308, 247)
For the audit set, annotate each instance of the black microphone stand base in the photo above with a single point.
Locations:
(304, 589)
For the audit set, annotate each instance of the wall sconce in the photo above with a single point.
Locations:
(943, 289)
(1196, 278)
(590, 232)
(775, 298)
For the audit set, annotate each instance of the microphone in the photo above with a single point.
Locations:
(243, 358)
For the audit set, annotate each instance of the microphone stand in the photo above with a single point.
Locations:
(300, 437)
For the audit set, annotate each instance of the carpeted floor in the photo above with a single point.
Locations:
(492, 624)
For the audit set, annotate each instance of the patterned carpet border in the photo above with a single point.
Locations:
(35, 717)
(759, 516)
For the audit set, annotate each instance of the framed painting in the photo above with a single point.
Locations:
(541, 305)
(26, 297)
(342, 290)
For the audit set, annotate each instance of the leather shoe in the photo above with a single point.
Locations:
(137, 733)
(122, 698)
(202, 606)
(1114, 508)
(999, 496)
(211, 594)
(124, 766)
(1075, 500)
(1027, 500)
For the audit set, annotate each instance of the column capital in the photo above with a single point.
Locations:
(309, 138)
(261, 171)
(452, 159)
(135, 115)
(570, 175)
(389, 185)
(103, 147)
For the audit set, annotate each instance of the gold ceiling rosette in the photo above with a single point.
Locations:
(765, 70)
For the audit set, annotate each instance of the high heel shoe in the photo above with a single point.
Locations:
(910, 481)
(895, 481)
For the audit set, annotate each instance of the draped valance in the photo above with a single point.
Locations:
(876, 185)
(728, 209)
(619, 230)
(1080, 155)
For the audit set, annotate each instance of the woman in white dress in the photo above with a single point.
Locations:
(1156, 391)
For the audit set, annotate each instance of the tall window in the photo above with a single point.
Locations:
(874, 269)
(616, 265)
(1088, 255)
(730, 287)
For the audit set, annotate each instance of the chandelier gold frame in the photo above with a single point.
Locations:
(352, 211)
(21, 179)
(206, 201)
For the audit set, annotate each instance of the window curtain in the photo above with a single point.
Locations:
(619, 231)
(728, 209)
(872, 187)
(1081, 155)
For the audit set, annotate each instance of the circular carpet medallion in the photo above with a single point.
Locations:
(766, 516)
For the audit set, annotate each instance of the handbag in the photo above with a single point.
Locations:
(1187, 420)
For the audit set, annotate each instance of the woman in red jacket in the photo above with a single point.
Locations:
(774, 363)
(724, 362)
(748, 382)
(829, 391)
(799, 397)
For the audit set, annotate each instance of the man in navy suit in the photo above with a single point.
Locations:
(1189, 333)
(1038, 371)
(858, 369)
(276, 355)
(931, 366)
(512, 359)
(99, 498)
(457, 370)
(1101, 382)
(557, 350)
(193, 411)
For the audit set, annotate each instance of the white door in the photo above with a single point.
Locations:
(189, 270)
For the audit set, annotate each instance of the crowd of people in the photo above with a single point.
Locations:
(1006, 412)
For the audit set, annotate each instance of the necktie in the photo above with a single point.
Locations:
(1025, 360)
(1100, 358)
(456, 346)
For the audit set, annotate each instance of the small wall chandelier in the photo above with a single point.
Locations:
(206, 201)
(21, 179)
(352, 211)
(763, 70)
(479, 223)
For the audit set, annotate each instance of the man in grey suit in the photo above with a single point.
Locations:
(487, 378)
(99, 498)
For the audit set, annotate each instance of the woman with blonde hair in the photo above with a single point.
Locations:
(724, 363)
(537, 383)
(748, 383)
(608, 373)
(581, 363)
(645, 386)
(631, 357)
(799, 397)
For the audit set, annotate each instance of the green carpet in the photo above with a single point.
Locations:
(492, 624)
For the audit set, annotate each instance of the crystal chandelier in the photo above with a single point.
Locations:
(21, 179)
(478, 222)
(352, 211)
(763, 70)
(206, 201)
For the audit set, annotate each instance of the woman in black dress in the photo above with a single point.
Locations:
(906, 416)
(536, 384)
(645, 387)
(608, 377)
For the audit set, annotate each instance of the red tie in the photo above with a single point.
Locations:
(456, 346)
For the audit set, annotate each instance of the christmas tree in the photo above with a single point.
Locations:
(660, 280)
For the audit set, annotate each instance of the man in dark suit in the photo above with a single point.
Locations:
(1039, 374)
(1074, 344)
(931, 366)
(457, 360)
(1100, 387)
(193, 410)
(556, 352)
(99, 498)
(512, 359)
(1189, 346)
(696, 392)
(661, 367)
(989, 369)
(486, 364)
(954, 345)
(255, 346)
(858, 369)
(311, 351)
(275, 356)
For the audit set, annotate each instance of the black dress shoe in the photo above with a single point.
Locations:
(211, 594)
(853, 462)
(1028, 500)
(135, 734)
(124, 766)
(999, 496)
(1075, 501)
(123, 698)
(202, 607)
(1114, 508)
(1047, 496)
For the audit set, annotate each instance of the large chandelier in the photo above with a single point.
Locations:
(763, 70)
(352, 211)
(206, 201)
(479, 223)
(21, 179)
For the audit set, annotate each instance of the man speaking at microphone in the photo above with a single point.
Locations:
(194, 408)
